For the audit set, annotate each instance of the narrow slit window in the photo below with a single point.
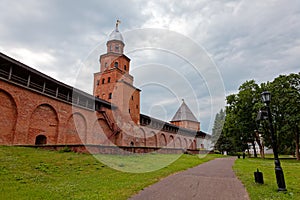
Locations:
(116, 64)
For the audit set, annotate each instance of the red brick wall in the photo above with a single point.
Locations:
(76, 129)
(43, 121)
(8, 117)
(123, 94)
(41, 115)
(25, 114)
(187, 124)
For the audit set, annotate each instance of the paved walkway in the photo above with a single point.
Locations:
(212, 180)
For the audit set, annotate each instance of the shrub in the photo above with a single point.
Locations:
(65, 149)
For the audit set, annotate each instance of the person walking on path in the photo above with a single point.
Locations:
(212, 180)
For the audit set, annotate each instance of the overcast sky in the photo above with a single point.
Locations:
(199, 51)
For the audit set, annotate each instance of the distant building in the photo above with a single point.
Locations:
(251, 149)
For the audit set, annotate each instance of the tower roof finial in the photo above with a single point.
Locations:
(115, 34)
(117, 25)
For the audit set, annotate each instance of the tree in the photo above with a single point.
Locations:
(285, 91)
(242, 109)
(218, 126)
(220, 142)
(241, 114)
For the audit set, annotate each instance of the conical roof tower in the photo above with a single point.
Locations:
(185, 118)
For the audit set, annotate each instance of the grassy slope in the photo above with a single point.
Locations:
(245, 168)
(38, 174)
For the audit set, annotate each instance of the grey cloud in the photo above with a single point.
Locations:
(246, 39)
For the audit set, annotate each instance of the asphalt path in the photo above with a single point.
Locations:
(212, 180)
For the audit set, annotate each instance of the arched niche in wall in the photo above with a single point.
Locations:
(43, 121)
(8, 118)
(75, 132)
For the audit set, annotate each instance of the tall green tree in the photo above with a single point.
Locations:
(285, 105)
(241, 113)
(242, 109)
(218, 138)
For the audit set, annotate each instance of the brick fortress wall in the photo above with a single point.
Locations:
(38, 110)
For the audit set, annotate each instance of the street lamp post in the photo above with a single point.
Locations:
(266, 98)
(261, 139)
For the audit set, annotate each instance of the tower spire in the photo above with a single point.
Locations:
(117, 24)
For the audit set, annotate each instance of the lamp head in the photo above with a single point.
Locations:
(266, 97)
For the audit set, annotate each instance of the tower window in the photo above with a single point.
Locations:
(98, 82)
(117, 48)
(110, 96)
(129, 110)
(116, 64)
(108, 80)
(137, 106)
(125, 67)
(105, 65)
(103, 81)
(131, 97)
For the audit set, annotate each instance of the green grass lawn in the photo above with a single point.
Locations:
(27, 173)
(245, 169)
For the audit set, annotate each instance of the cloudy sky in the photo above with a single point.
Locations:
(199, 51)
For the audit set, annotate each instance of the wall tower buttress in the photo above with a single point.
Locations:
(185, 118)
(114, 83)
